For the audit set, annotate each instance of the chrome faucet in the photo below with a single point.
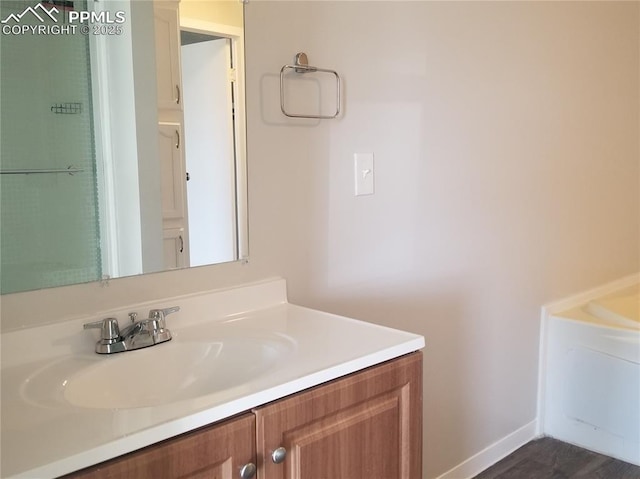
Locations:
(140, 334)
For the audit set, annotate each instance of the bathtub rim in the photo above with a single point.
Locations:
(552, 309)
(555, 307)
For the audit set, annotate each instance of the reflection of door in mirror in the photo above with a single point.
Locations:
(207, 69)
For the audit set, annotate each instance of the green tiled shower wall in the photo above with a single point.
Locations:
(49, 232)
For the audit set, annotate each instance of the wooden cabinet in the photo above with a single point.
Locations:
(367, 425)
(215, 452)
(364, 426)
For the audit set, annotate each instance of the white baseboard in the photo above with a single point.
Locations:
(492, 454)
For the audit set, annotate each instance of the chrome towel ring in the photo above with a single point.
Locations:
(302, 66)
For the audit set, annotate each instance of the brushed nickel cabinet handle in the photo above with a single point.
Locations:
(248, 471)
(279, 455)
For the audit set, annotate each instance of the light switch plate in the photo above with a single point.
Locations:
(364, 174)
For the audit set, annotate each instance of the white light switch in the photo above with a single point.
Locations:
(364, 173)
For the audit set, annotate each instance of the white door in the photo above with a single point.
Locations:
(209, 150)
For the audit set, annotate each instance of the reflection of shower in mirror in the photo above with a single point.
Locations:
(90, 101)
(49, 220)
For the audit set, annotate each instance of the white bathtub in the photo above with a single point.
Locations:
(590, 370)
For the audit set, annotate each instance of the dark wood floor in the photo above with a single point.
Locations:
(553, 459)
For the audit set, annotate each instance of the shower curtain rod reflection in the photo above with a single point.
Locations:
(70, 170)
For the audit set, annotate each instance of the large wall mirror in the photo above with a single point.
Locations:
(122, 139)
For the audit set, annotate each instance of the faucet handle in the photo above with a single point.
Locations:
(159, 314)
(108, 326)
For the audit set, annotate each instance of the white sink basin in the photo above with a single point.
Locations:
(65, 408)
(162, 374)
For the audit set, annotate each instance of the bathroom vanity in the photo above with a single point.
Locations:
(371, 419)
(249, 384)
(246, 384)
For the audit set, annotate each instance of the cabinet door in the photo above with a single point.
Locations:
(173, 173)
(167, 55)
(365, 426)
(215, 452)
(175, 249)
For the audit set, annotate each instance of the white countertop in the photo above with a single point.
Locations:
(47, 438)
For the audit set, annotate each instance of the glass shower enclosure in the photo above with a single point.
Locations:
(49, 212)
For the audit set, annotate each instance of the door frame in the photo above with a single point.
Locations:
(236, 36)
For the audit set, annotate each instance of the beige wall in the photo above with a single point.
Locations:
(507, 169)
(225, 12)
(506, 162)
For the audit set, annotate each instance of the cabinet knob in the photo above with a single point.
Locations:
(279, 455)
(248, 471)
